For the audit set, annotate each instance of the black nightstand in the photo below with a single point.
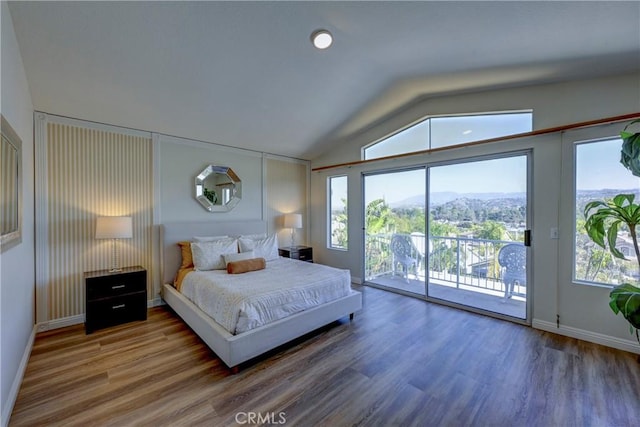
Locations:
(303, 253)
(113, 298)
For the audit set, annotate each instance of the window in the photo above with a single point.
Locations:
(338, 216)
(436, 132)
(600, 176)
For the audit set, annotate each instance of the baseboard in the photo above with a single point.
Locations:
(155, 302)
(356, 280)
(60, 323)
(17, 381)
(606, 340)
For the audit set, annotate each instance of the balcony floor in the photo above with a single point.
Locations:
(483, 299)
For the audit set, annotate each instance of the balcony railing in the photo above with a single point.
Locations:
(459, 261)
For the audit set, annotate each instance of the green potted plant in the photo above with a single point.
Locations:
(604, 219)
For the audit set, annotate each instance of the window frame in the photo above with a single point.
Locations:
(575, 144)
(364, 148)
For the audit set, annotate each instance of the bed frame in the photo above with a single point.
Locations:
(235, 349)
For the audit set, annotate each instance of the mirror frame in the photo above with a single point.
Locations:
(236, 195)
(13, 237)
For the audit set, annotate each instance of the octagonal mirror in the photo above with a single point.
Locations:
(218, 188)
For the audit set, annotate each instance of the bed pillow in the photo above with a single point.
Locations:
(208, 255)
(187, 258)
(246, 265)
(177, 283)
(263, 248)
(208, 238)
(254, 236)
(238, 256)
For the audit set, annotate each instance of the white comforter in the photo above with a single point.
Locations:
(240, 302)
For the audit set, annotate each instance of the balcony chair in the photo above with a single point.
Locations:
(419, 241)
(513, 262)
(401, 249)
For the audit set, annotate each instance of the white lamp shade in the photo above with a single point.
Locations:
(292, 220)
(114, 227)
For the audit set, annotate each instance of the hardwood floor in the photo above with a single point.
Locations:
(400, 362)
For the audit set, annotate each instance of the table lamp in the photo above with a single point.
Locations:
(114, 228)
(292, 221)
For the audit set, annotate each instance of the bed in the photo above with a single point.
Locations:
(234, 349)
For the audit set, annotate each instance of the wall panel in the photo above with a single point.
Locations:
(91, 173)
(287, 185)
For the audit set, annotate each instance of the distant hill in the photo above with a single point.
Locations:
(441, 198)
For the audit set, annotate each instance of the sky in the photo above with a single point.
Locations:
(506, 175)
(598, 167)
(597, 163)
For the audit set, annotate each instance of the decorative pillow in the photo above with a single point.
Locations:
(177, 283)
(265, 248)
(208, 238)
(187, 258)
(238, 256)
(208, 255)
(246, 265)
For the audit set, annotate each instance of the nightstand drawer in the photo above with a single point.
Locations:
(304, 255)
(115, 285)
(116, 310)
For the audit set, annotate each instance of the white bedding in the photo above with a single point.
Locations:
(240, 302)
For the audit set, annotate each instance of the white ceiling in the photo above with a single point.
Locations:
(245, 73)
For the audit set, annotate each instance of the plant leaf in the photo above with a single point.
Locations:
(619, 199)
(625, 299)
(595, 229)
(630, 152)
(592, 205)
(612, 236)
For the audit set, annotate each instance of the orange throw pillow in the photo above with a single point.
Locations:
(177, 283)
(187, 258)
(246, 265)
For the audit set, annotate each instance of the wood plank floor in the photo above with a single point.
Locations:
(401, 362)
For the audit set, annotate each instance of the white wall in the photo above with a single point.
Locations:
(181, 160)
(583, 310)
(17, 264)
(271, 185)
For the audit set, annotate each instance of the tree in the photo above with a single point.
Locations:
(441, 228)
(340, 229)
(378, 217)
(490, 230)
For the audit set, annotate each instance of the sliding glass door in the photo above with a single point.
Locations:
(478, 234)
(471, 250)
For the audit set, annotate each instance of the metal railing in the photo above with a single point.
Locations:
(461, 261)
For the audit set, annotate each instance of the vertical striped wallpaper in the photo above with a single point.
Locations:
(94, 173)
(8, 187)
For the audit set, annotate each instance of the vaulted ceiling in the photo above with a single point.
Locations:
(245, 73)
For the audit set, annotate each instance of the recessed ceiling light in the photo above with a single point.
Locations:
(321, 39)
(467, 132)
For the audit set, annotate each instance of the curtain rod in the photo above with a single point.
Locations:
(545, 131)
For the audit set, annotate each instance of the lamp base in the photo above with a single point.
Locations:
(115, 266)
